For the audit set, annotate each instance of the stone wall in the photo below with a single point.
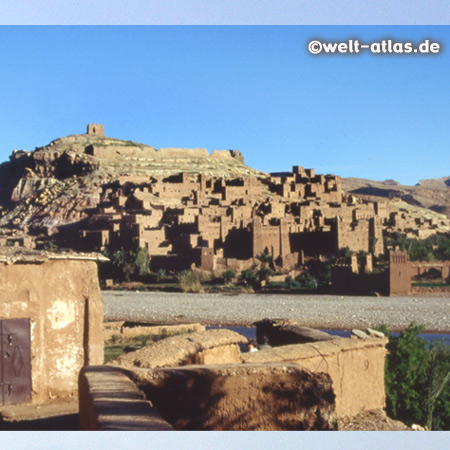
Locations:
(421, 267)
(63, 302)
(356, 368)
(275, 396)
(218, 346)
(295, 387)
(345, 281)
(183, 153)
(109, 400)
(130, 329)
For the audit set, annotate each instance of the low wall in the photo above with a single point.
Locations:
(123, 329)
(420, 267)
(109, 400)
(182, 153)
(215, 397)
(356, 368)
(207, 347)
(301, 386)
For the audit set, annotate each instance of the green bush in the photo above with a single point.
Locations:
(346, 252)
(125, 264)
(161, 275)
(435, 247)
(248, 276)
(51, 246)
(417, 379)
(122, 261)
(265, 257)
(189, 282)
(264, 273)
(228, 275)
(307, 281)
(141, 262)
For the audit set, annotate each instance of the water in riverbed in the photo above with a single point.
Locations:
(250, 333)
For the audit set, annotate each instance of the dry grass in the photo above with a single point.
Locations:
(189, 282)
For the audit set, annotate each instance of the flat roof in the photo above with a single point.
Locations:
(12, 255)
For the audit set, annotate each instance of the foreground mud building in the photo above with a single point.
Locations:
(51, 324)
(186, 206)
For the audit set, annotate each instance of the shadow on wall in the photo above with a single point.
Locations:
(241, 397)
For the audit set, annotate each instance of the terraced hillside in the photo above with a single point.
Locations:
(55, 184)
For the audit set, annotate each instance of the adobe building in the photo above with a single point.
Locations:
(51, 323)
(218, 223)
(183, 218)
(356, 274)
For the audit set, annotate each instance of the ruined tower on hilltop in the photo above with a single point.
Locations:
(96, 129)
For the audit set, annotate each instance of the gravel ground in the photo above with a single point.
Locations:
(319, 311)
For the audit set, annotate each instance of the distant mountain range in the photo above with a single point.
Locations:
(433, 194)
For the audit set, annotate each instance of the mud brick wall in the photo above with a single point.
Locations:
(109, 400)
(274, 396)
(356, 368)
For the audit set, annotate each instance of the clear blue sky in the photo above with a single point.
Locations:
(299, 12)
(256, 89)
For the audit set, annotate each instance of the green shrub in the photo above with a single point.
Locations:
(265, 257)
(141, 262)
(417, 380)
(264, 273)
(124, 264)
(307, 281)
(161, 275)
(51, 246)
(122, 261)
(248, 276)
(228, 275)
(435, 247)
(346, 252)
(189, 282)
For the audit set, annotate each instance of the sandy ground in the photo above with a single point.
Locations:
(319, 311)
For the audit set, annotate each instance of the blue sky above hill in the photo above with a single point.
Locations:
(256, 89)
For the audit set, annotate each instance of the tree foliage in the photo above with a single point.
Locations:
(265, 257)
(228, 275)
(248, 276)
(142, 262)
(435, 247)
(417, 379)
(124, 264)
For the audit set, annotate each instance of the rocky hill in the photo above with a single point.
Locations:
(91, 185)
(431, 194)
(56, 184)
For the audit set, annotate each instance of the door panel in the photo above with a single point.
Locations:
(15, 367)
